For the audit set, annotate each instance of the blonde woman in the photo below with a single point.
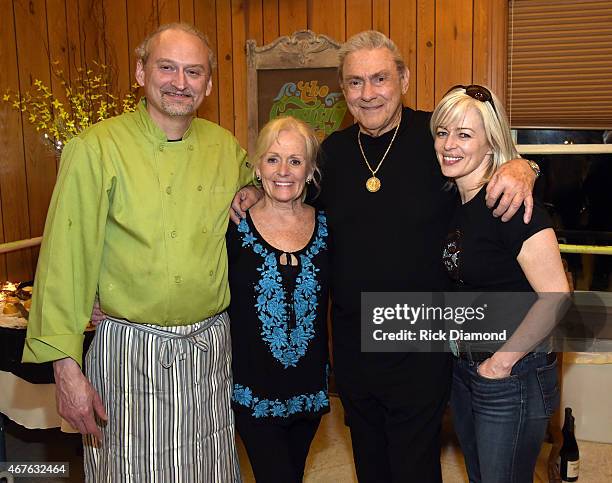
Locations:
(278, 271)
(501, 400)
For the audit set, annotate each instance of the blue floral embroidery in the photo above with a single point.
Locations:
(242, 395)
(275, 408)
(287, 346)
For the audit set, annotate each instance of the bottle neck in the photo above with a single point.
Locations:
(568, 424)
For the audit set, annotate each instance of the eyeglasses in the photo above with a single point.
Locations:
(477, 92)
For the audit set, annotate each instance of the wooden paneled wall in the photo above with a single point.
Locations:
(444, 42)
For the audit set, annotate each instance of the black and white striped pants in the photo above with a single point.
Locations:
(167, 392)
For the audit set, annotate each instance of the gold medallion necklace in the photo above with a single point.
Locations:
(373, 183)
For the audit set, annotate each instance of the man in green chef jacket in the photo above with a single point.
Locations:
(139, 215)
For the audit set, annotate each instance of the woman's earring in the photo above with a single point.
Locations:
(258, 177)
(308, 180)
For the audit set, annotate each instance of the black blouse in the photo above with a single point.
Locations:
(278, 317)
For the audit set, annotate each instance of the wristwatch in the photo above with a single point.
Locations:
(536, 169)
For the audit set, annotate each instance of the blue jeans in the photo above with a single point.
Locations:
(501, 423)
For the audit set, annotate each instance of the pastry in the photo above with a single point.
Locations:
(10, 309)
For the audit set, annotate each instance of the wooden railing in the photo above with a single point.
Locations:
(20, 244)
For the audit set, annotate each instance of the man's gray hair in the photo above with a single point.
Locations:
(142, 51)
(369, 40)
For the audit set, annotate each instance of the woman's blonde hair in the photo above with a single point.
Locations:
(270, 133)
(453, 108)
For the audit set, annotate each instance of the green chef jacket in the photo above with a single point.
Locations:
(141, 221)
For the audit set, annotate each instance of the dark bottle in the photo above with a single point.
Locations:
(569, 457)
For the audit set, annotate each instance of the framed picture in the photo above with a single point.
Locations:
(295, 76)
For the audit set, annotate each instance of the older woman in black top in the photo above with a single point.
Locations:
(278, 270)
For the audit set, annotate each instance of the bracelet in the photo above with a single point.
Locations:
(535, 167)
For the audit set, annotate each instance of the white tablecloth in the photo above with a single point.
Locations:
(30, 405)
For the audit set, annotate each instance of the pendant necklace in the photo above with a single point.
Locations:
(373, 183)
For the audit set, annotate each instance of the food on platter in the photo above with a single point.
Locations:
(15, 302)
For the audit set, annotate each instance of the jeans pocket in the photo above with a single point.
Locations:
(496, 397)
(479, 376)
(549, 387)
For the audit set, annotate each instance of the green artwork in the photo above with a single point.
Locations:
(314, 104)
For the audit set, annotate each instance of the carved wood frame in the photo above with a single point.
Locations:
(302, 50)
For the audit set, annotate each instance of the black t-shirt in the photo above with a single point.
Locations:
(480, 252)
(384, 241)
(480, 255)
(278, 319)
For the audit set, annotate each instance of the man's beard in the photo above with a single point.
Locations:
(176, 108)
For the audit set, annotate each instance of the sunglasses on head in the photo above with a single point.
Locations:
(477, 92)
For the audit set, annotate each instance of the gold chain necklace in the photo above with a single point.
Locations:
(373, 183)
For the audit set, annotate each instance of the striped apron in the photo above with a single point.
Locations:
(167, 394)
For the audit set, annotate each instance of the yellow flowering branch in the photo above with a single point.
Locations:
(88, 100)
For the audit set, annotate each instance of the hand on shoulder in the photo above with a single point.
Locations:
(513, 182)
